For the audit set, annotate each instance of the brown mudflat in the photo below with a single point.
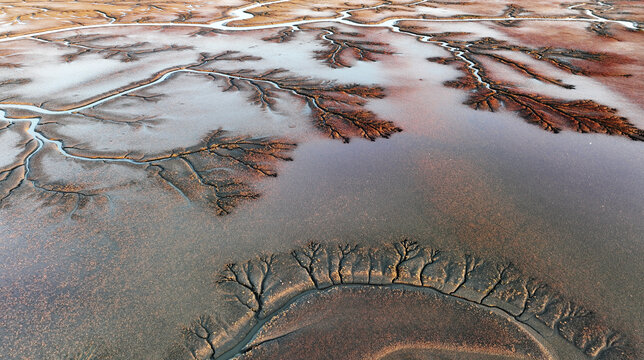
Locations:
(365, 322)
(164, 167)
(358, 302)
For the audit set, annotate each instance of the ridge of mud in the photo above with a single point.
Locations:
(261, 288)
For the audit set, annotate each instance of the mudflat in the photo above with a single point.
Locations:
(342, 179)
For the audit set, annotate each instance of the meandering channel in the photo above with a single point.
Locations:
(240, 14)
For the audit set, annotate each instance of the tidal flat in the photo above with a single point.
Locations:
(339, 179)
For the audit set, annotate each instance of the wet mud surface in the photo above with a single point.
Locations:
(302, 303)
(145, 146)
